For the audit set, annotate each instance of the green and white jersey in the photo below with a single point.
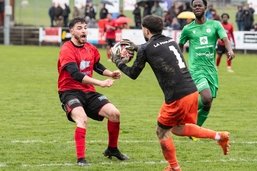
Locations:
(202, 49)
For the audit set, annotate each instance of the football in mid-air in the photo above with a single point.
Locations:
(120, 50)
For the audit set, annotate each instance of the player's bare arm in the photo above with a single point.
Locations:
(113, 74)
(228, 46)
(96, 82)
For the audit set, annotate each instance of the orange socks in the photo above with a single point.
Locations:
(198, 132)
(169, 152)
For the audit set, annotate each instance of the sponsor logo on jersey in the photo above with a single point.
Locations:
(204, 40)
(84, 64)
(205, 54)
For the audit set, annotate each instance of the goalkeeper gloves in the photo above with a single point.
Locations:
(130, 46)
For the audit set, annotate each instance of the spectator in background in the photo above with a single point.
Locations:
(221, 49)
(215, 15)
(147, 9)
(157, 9)
(248, 19)
(137, 16)
(239, 18)
(254, 27)
(66, 13)
(110, 28)
(51, 13)
(90, 11)
(1, 12)
(167, 19)
(58, 12)
(103, 12)
(208, 13)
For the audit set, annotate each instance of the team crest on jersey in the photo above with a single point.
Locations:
(204, 40)
(194, 31)
(84, 64)
(208, 30)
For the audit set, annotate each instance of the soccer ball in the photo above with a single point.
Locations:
(120, 50)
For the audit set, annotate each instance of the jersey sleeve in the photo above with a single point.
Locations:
(220, 30)
(183, 36)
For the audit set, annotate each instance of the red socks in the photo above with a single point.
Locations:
(113, 131)
(80, 142)
(169, 152)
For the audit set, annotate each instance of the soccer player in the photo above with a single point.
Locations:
(77, 61)
(178, 112)
(110, 30)
(202, 35)
(221, 49)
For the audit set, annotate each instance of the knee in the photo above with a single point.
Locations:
(81, 121)
(207, 100)
(114, 115)
(161, 133)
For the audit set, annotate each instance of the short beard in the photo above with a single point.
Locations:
(146, 39)
(78, 39)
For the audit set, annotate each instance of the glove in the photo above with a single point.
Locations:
(130, 46)
(116, 56)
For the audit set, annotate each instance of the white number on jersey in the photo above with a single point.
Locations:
(181, 64)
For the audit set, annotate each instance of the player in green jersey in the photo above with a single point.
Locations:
(202, 35)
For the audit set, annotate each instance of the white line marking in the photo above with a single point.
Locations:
(121, 141)
(159, 162)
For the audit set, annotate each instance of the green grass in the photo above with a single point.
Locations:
(35, 134)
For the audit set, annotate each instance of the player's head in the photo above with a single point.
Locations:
(224, 17)
(78, 30)
(199, 7)
(151, 25)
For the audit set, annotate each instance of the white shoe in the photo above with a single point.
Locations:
(229, 69)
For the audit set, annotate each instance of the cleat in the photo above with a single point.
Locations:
(229, 69)
(224, 142)
(169, 168)
(114, 152)
(82, 162)
(194, 139)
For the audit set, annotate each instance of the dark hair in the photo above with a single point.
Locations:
(153, 23)
(222, 15)
(204, 2)
(76, 20)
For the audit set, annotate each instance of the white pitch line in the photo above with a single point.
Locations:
(121, 141)
(160, 162)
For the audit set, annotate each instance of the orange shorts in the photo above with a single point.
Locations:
(179, 112)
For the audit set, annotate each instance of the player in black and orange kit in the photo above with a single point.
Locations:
(77, 61)
(178, 114)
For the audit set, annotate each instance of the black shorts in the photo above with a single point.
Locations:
(110, 42)
(221, 49)
(92, 102)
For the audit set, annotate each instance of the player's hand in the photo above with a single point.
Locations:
(106, 83)
(116, 57)
(116, 74)
(231, 55)
(130, 45)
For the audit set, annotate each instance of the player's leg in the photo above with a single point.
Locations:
(110, 112)
(79, 116)
(204, 100)
(188, 107)
(219, 55)
(75, 113)
(110, 44)
(168, 148)
(199, 132)
(229, 65)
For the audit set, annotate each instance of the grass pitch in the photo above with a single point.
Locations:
(35, 134)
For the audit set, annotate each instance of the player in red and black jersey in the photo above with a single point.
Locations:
(178, 114)
(221, 49)
(77, 61)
